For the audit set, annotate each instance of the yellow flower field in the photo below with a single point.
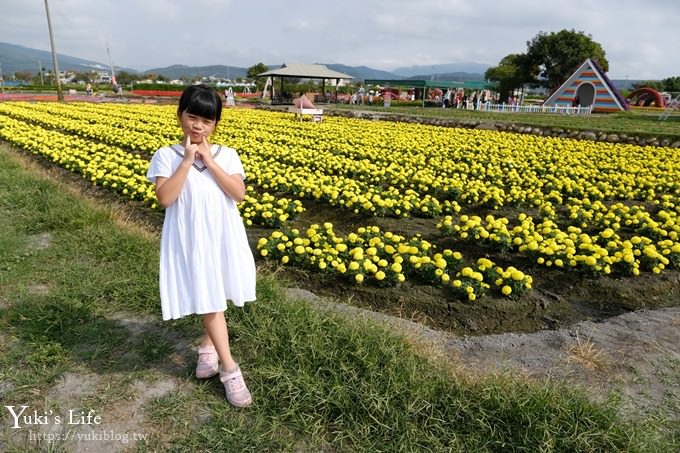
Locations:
(583, 207)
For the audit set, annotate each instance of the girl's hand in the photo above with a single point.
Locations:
(204, 152)
(190, 149)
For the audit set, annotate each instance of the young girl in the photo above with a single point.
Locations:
(205, 257)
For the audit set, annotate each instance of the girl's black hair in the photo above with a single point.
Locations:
(201, 100)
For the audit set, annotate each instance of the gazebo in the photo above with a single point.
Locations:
(303, 71)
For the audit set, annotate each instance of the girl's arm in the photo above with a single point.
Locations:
(168, 189)
(232, 185)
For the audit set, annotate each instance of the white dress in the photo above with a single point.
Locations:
(205, 257)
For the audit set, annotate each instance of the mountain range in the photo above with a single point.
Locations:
(17, 58)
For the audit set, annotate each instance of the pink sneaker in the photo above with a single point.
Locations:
(208, 362)
(235, 387)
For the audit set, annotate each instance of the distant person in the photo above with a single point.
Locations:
(88, 89)
(576, 102)
(447, 99)
(205, 257)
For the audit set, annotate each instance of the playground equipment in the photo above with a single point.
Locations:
(645, 96)
(670, 107)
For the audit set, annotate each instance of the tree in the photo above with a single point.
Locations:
(82, 77)
(125, 78)
(256, 70)
(24, 76)
(671, 84)
(511, 73)
(553, 57)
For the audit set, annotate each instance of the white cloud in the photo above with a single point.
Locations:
(639, 38)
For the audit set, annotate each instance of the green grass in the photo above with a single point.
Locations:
(319, 381)
(630, 123)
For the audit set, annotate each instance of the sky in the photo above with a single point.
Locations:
(640, 38)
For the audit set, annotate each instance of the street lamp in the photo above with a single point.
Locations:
(60, 95)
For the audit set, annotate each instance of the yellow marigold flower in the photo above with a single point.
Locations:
(380, 275)
(396, 267)
(359, 278)
(506, 290)
(457, 283)
(285, 259)
(353, 265)
(264, 252)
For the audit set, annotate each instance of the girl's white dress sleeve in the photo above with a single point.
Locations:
(205, 257)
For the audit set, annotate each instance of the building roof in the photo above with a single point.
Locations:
(413, 83)
(305, 71)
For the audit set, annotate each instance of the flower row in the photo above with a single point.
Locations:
(388, 259)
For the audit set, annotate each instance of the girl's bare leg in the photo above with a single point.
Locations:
(217, 335)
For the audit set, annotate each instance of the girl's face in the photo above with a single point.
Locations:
(196, 127)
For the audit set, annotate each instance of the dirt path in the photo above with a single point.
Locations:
(634, 355)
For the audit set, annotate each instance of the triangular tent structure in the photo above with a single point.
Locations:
(589, 85)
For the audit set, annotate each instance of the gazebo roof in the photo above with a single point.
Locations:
(305, 71)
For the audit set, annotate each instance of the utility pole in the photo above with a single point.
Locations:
(60, 94)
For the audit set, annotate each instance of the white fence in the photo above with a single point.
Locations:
(527, 108)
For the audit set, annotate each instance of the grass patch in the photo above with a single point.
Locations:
(319, 381)
(629, 123)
